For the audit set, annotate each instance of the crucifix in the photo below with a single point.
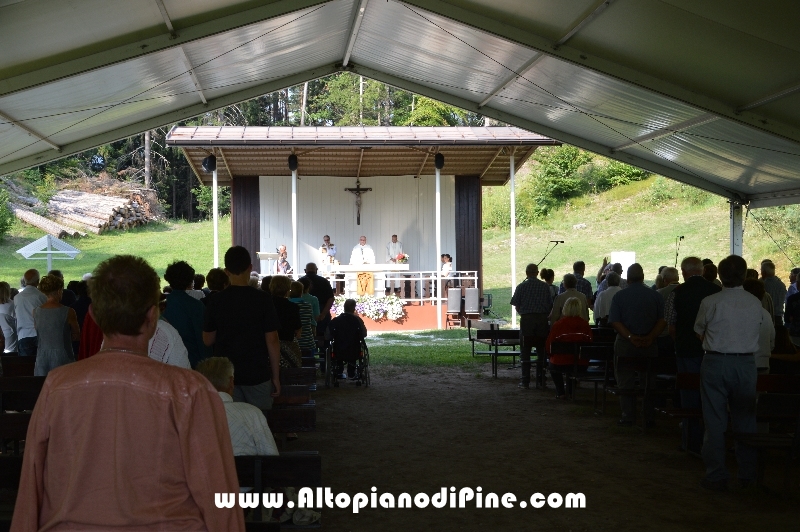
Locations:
(358, 191)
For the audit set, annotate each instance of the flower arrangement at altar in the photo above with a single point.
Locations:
(374, 307)
(402, 258)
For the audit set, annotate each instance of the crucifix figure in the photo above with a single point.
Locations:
(358, 191)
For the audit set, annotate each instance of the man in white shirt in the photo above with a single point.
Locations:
(24, 303)
(250, 434)
(728, 323)
(603, 302)
(393, 249)
(167, 346)
(362, 253)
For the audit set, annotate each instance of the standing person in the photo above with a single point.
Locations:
(120, 441)
(56, 328)
(311, 300)
(793, 314)
(393, 249)
(308, 345)
(291, 325)
(602, 305)
(328, 248)
(775, 288)
(362, 252)
(548, 276)
(728, 323)
(184, 312)
(671, 280)
(680, 311)
(569, 284)
(69, 297)
(792, 288)
(8, 323)
(533, 302)
(583, 286)
(28, 299)
(637, 314)
(321, 289)
(241, 323)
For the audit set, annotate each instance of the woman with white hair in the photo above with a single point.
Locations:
(571, 327)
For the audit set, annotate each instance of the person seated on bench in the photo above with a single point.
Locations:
(347, 331)
(571, 327)
(120, 441)
(250, 434)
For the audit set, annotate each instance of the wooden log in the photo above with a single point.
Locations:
(49, 226)
(94, 230)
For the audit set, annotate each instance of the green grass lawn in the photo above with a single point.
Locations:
(159, 243)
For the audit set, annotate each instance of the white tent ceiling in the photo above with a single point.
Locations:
(707, 93)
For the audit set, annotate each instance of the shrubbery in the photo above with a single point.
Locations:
(664, 190)
(561, 173)
(6, 216)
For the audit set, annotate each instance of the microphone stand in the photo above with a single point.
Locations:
(555, 242)
(678, 240)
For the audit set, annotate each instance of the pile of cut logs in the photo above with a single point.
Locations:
(73, 213)
(95, 213)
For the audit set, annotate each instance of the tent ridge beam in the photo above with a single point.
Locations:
(667, 131)
(580, 24)
(358, 18)
(165, 16)
(769, 98)
(30, 131)
(190, 70)
(524, 69)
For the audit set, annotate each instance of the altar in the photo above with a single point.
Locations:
(380, 274)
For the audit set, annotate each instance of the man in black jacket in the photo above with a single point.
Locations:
(680, 312)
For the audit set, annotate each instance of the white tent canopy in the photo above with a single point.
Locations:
(48, 248)
(702, 92)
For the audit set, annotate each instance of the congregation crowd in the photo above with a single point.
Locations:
(156, 440)
(722, 322)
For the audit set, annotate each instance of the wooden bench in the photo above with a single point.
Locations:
(499, 338)
(654, 365)
(306, 376)
(17, 366)
(686, 382)
(297, 469)
(19, 393)
(776, 406)
(474, 326)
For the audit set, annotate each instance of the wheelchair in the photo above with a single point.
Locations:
(334, 366)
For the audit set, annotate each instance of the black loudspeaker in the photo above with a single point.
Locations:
(472, 300)
(210, 163)
(454, 301)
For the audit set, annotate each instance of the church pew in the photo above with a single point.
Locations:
(19, 393)
(296, 469)
(17, 366)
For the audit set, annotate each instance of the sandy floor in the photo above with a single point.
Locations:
(424, 431)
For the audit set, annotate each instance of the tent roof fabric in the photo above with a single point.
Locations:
(700, 92)
(357, 151)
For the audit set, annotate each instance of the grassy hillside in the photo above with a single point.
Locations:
(622, 219)
(159, 243)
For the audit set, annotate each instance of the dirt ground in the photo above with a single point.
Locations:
(419, 432)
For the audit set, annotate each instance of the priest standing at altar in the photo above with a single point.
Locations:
(393, 249)
(362, 253)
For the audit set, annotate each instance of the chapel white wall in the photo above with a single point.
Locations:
(396, 205)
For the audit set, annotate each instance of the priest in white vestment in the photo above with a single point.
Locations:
(393, 249)
(362, 253)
